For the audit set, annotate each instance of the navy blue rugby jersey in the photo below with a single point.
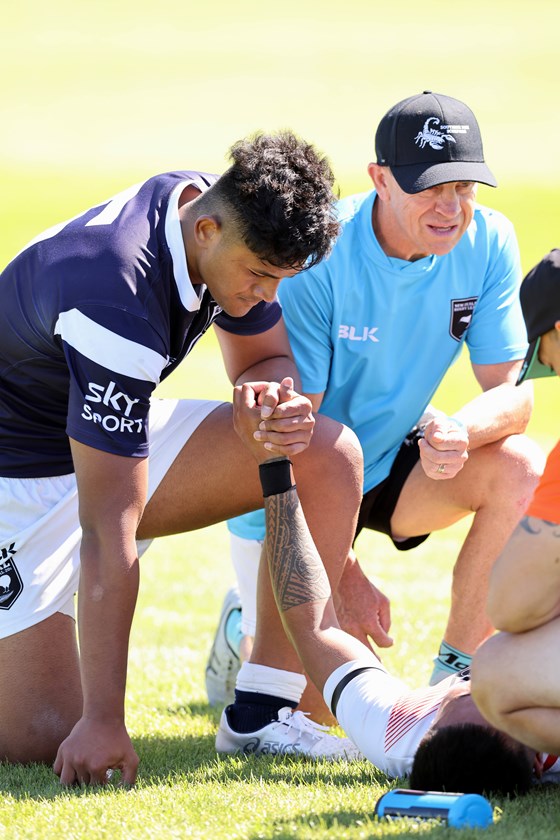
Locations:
(94, 313)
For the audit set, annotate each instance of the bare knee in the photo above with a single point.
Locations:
(515, 465)
(330, 481)
(335, 454)
(40, 690)
(38, 734)
(525, 459)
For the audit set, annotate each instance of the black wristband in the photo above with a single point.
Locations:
(275, 477)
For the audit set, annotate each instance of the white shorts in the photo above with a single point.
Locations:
(39, 527)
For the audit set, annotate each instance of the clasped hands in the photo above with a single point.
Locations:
(272, 419)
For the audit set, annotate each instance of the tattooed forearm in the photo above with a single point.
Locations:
(534, 526)
(296, 570)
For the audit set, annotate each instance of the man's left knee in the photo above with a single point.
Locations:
(519, 461)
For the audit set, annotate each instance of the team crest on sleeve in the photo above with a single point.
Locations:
(11, 584)
(461, 315)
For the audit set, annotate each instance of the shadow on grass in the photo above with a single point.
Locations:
(200, 710)
(192, 760)
(523, 817)
(369, 826)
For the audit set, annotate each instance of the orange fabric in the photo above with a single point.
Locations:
(546, 501)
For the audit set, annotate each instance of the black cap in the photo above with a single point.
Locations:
(540, 302)
(431, 139)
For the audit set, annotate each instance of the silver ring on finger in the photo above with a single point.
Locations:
(440, 468)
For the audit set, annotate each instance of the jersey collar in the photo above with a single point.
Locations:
(190, 297)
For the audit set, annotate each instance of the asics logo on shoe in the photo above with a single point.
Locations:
(294, 735)
(352, 333)
(254, 747)
(251, 746)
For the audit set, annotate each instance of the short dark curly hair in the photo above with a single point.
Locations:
(469, 758)
(279, 196)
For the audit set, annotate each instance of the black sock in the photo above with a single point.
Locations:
(252, 710)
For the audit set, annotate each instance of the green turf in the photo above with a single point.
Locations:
(98, 95)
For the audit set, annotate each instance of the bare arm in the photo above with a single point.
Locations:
(302, 592)
(266, 356)
(362, 609)
(525, 581)
(299, 580)
(501, 409)
(112, 492)
(265, 360)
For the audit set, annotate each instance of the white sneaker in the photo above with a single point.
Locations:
(223, 663)
(292, 734)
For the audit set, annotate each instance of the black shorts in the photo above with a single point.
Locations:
(379, 503)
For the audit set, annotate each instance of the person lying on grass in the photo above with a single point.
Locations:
(434, 734)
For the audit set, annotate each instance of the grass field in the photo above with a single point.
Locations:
(97, 96)
(183, 790)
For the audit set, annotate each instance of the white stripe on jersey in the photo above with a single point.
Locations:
(114, 206)
(108, 349)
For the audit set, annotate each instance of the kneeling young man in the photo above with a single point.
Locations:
(95, 312)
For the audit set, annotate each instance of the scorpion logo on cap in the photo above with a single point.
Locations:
(432, 136)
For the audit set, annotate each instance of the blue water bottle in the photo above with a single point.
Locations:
(459, 810)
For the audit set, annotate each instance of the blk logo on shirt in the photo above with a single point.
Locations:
(357, 333)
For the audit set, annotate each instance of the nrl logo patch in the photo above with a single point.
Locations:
(461, 314)
(11, 584)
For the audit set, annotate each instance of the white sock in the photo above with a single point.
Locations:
(265, 680)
